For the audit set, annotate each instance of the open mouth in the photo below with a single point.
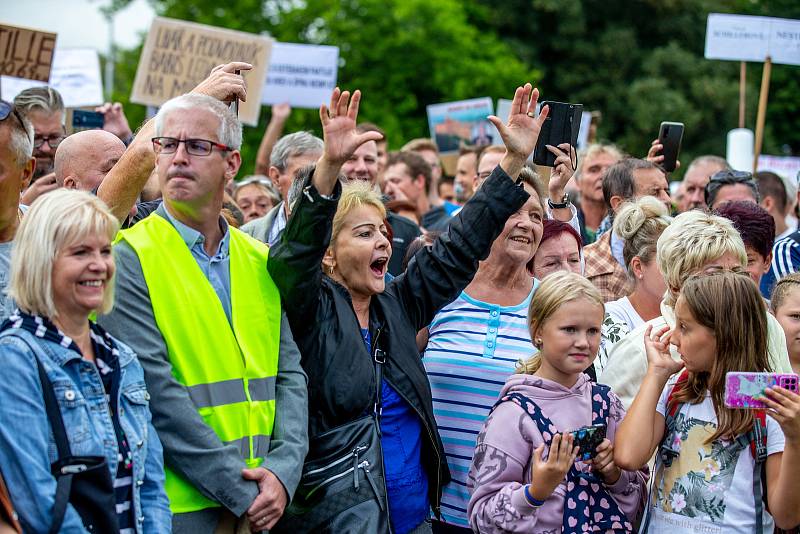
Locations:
(521, 239)
(91, 283)
(378, 267)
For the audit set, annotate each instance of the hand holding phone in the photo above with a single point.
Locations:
(670, 135)
(562, 125)
(742, 390)
(588, 438)
(86, 120)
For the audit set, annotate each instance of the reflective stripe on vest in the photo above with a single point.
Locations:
(229, 372)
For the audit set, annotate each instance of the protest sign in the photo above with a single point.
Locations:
(26, 53)
(746, 38)
(302, 75)
(75, 75)
(178, 55)
(463, 122)
(785, 166)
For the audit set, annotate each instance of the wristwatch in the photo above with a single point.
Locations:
(565, 203)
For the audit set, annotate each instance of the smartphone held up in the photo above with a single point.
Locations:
(743, 390)
(562, 125)
(670, 135)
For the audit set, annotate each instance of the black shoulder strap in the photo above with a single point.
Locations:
(63, 480)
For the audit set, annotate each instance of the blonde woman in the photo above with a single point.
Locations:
(62, 270)
(695, 242)
(639, 224)
(524, 475)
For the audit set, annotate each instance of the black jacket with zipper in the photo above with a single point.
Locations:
(341, 374)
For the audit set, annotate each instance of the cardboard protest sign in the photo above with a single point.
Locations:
(302, 75)
(454, 123)
(746, 38)
(178, 55)
(26, 53)
(75, 75)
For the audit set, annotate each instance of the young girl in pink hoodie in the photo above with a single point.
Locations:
(525, 475)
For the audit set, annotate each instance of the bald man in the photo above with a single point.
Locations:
(83, 159)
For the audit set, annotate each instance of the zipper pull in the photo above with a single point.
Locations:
(365, 465)
(355, 469)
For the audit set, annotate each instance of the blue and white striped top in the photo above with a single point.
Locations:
(473, 347)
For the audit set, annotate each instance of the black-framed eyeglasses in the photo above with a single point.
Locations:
(52, 141)
(195, 147)
(6, 109)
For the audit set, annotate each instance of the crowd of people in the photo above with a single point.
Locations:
(351, 341)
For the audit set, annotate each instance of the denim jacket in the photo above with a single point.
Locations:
(27, 447)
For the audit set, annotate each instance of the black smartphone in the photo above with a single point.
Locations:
(670, 135)
(588, 438)
(86, 120)
(562, 125)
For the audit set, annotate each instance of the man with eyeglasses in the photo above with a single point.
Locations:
(44, 108)
(16, 168)
(197, 304)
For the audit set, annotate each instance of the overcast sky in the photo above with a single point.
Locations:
(79, 23)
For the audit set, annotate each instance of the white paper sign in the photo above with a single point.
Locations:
(788, 167)
(302, 75)
(75, 75)
(746, 38)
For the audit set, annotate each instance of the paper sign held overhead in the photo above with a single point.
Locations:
(746, 38)
(75, 75)
(178, 55)
(464, 122)
(26, 53)
(302, 75)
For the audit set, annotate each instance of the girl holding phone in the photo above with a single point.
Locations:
(708, 473)
(524, 475)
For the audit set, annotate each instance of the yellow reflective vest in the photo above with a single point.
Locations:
(228, 370)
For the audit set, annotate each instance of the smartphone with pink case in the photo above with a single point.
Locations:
(741, 388)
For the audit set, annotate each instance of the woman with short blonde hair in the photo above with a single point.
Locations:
(78, 395)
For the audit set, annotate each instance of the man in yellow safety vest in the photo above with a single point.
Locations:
(196, 303)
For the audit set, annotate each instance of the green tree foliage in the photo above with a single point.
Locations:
(638, 62)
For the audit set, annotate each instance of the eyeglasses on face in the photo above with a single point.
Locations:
(52, 141)
(195, 147)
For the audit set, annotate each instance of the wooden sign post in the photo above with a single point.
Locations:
(762, 111)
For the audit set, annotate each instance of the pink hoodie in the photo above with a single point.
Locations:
(502, 461)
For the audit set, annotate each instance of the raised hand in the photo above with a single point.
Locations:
(659, 359)
(341, 137)
(224, 84)
(114, 120)
(522, 130)
(562, 170)
(547, 475)
(603, 463)
(281, 112)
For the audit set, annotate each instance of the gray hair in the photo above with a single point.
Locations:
(43, 98)
(230, 129)
(592, 150)
(21, 138)
(710, 159)
(293, 145)
(293, 195)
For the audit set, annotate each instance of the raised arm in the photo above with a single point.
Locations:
(280, 112)
(643, 428)
(123, 183)
(436, 275)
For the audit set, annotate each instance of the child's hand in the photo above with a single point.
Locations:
(603, 463)
(784, 407)
(659, 359)
(546, 476)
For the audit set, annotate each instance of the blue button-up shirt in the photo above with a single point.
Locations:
(216, 268)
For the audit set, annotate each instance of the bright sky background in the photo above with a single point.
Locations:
(79, 23)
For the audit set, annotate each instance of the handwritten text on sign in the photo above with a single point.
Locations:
(26, 53)
(178, 55)
(302, 75)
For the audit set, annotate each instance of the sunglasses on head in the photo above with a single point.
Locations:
(6, 109)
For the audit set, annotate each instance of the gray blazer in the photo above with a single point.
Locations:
(261, 227)
(190, 446)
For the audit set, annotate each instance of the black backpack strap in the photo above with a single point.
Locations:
(63, 480)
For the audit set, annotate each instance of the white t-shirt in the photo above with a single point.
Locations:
(621, 311)
(707, 489)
